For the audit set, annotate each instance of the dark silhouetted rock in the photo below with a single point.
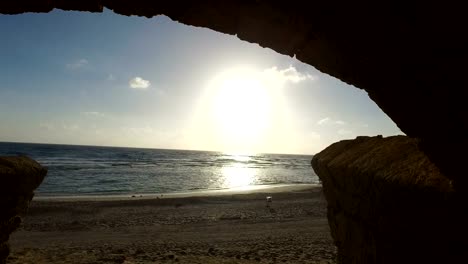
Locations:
(19, 177)
(388, 203)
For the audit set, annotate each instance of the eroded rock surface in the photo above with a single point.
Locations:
(19, 177)
(388, 203)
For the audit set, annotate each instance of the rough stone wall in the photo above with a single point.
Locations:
(410, 57)
(388, 203)
(19, 177)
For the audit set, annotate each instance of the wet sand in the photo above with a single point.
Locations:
(212, 228)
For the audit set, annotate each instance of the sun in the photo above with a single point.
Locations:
(240, 107)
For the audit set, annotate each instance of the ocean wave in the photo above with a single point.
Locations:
(121, 164)
(84, 170)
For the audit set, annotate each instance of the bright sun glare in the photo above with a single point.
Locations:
(240, 108)
(235, 114)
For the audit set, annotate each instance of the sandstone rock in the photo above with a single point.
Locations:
(387, 203)
(19, 177)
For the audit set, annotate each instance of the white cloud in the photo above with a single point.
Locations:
(340, 122)
(139, 83)
(289, 74)
(93, 114)
(77, 64)
(47, 126)
(111, 77)
(71, 127)
(138, 131)
(323, 121)
(344, 132)
(50, 126)
(329, 121)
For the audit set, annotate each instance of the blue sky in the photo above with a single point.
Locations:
(105, 79)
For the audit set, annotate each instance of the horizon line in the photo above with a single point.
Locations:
(154, 148)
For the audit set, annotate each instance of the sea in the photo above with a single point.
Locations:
(93, 170)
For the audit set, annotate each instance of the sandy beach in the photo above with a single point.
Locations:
(224, 227)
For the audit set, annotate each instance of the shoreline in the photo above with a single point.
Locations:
(252, 189)
(222, 227)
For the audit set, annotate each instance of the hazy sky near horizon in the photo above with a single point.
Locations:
(104, 79)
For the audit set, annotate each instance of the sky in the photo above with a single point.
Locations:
(109, 80)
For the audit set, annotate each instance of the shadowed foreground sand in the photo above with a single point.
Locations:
(230, 228)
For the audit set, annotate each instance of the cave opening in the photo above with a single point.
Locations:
(111, 80)
(351, 53)
(110, 106)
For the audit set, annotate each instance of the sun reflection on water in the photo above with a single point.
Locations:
(240, 157)
(237, 176)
